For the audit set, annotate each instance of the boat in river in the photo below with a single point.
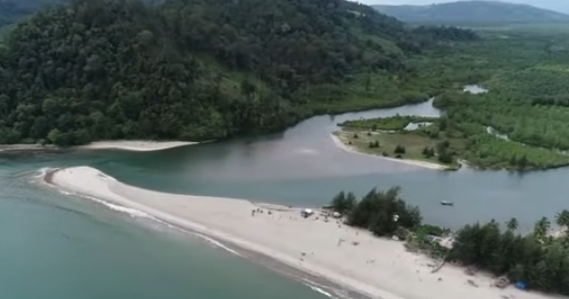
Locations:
(447, 203)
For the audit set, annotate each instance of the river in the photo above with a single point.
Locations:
(59, 246)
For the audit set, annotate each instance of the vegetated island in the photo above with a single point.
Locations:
(351, 250)
(443, 142)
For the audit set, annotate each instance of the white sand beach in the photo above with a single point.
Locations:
(377, 267)
(135, 145)
(340, 144)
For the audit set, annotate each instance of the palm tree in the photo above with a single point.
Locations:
(541, 227)
(562, 219)
(512, 224)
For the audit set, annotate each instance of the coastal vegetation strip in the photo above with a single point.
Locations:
(444, 141)
(538, 260)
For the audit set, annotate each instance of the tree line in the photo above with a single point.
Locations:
(540, 259)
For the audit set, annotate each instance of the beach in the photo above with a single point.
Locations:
(376, 267)
(135, 145)
(340, 144)
(126, 145)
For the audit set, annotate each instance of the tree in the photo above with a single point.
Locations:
(343, 203)
(512, 224)
(562, 219)
(399, 149)
(55, 137)
(541, 227)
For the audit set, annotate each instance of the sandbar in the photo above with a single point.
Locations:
(352, 258)
(135, 145)
(125, 145)
(424, 164)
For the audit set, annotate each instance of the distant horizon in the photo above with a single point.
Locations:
(555, 5)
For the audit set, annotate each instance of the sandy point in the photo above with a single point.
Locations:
(135, 145)
(318, 245)
(423, 164)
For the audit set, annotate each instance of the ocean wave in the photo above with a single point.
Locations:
(122, 209)
(216, 243)
(325, 290)
(317, 287)
(136, 213)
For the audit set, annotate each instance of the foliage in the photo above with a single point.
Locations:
(196, 69)
(399, 149)
(397, 122)
(344, 203)
(383, 213)
(526, 74)
(537, 259)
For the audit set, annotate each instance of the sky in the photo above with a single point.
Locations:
(559, 5)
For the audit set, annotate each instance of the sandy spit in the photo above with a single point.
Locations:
(377, 267)
(417, 163)
(126, 145)
(135, 145)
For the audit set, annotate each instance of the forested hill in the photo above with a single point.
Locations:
(472, 12)
(195, 69)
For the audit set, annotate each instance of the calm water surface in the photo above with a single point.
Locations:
(57, 246)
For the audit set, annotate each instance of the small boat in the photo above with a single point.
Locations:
(447, 203)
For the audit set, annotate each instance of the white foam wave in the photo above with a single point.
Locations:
(122, 209)
(42, 172)
(321, 289)
(217, 243)
(136, 213)
(317, 288)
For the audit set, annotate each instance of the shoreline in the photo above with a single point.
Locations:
(423, 164)
(134, 145)
(125, 145)
(367, 265)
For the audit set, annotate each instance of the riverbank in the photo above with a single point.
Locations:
(126, 145)
(347, 256)
(340, 144)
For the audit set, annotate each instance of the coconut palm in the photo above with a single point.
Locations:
(541, 227)
(562, 218)
(512, 224)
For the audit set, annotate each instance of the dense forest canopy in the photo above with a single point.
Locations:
(193, 69)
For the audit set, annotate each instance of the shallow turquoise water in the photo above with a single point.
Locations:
(55, 246)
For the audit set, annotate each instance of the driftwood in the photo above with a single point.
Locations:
(471, 271)
(441, 265)
(502, 282)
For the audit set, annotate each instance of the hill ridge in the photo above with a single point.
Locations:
(472, 12)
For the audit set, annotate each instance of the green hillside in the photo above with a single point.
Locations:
(473, 12)
(195, 70)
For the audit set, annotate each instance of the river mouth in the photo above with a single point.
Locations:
(302, 166)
